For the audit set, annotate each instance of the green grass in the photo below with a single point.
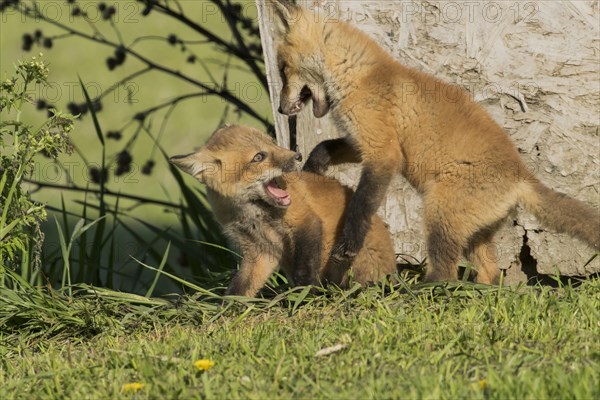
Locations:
(454, 341)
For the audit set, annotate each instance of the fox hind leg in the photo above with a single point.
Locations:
(463, 227)
(448, 226)
(444, 248)
(484, 254)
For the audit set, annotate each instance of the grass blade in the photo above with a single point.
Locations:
(177, 279)
(66, 275)
(160, 270)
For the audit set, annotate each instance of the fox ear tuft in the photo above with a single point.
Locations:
(197, 164)
(286, 12)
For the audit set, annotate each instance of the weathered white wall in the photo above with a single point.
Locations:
(534, 65)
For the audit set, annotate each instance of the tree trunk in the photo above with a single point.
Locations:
(532, 64)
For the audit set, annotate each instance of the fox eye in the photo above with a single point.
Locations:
(259, 157)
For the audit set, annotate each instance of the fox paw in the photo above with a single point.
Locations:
(305, 280)
(318, 160)
(312, 165)
(341, 256)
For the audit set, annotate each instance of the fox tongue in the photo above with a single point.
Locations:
(281, 196)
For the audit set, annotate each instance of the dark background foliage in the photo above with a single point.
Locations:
(160, 76)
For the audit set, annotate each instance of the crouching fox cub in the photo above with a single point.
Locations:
(280, 216)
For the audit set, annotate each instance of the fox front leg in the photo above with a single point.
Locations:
(255, 270)
(371, 190)
(308, 253)
(331, 152)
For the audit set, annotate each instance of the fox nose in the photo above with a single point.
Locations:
(298, 157)
(280, 110)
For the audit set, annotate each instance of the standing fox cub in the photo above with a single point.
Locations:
(277, 216)
(444, 145)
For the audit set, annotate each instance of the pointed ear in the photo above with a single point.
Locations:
(199, 164)
(286, 12)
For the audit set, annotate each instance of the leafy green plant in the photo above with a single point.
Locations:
(20, 142)
(211, 53)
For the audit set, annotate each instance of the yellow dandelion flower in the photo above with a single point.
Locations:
(482, 384)
(132, 387)
(204, 365)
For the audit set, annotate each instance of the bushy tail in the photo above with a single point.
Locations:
(564, 214)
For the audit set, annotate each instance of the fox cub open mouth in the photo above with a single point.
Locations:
(279, 195)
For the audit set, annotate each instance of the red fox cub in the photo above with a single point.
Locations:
(280, 216)
(394, 127)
